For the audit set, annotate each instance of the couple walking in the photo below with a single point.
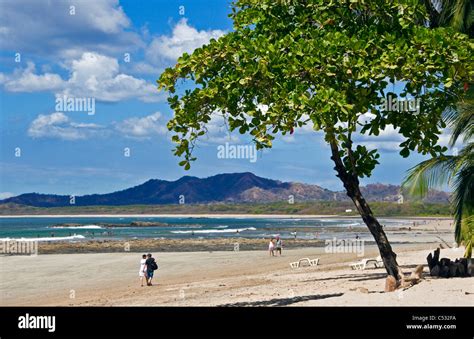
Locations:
(148, 266)
(275, 244)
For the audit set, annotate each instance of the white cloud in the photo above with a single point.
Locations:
(142, 67)
(145, 127)
(96, 75)
(184, 38)
(58, 125)
(92, 75)
(26, 80)
(6, 195)
(51, 28)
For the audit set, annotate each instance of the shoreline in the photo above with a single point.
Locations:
(429, 231)
(217, 216)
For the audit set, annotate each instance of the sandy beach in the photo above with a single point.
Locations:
(247, 278)
(216, 277)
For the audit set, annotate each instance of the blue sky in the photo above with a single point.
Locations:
(113, 52)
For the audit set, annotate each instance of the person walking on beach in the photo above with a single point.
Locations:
(271, 248)
(151, 266)
(279, 245)
(142, 270)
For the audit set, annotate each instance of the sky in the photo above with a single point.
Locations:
(113, 52)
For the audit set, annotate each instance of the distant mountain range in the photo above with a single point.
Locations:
(222, 188)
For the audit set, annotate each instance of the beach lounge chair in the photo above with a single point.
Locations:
(304, 262)
(379, 262)
(364, 263)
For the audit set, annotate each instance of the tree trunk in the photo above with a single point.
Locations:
(351, 184)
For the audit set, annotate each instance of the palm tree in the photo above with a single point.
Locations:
(456, 170)
(457, 14)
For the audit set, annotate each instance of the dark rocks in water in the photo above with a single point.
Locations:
(66, 225)
(147, 224)
(109, 225)
(135, 224)
(446, 268)
(102, 224)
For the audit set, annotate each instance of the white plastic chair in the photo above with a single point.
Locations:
(311, 262)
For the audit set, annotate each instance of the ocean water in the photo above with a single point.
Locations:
(44, 229)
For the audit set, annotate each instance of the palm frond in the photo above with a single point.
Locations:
(462, 118)
(467, 234)
(456, 14)
(460, 15)
(431, 173)
(463, 199)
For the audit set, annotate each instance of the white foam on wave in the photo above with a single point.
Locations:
(72, 237)
(234, 230)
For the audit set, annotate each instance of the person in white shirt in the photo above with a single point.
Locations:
(271, 248)
(142, 271)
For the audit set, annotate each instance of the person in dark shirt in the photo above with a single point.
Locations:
(150, 268)
(279, 245)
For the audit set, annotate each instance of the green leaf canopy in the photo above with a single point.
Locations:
(329, 63)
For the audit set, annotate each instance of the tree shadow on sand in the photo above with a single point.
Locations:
(365, 275)
(353, 277)
(284, 301)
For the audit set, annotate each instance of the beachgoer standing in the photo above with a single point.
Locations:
(151, 266)
(279, 245)
(142, 270)
(271, 248)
